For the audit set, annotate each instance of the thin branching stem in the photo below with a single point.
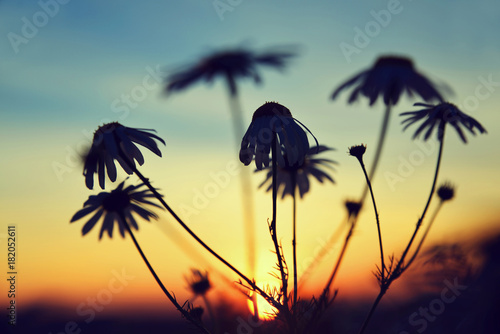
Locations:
(250, 282)
(400, 267)
(164, 289)
(382, 264)
(417, 250)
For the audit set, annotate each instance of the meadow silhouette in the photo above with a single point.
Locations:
(279, 144)
(249, 167)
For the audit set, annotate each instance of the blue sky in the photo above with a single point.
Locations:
(61, 84)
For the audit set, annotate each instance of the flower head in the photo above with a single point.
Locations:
(310, 167)
(198, 283)
(389, 77)
(357, 151)
(271, 120)
(446, 191)
(113, 141)
(441, 114)
(353, 207)
(116, 206)
(233, 63)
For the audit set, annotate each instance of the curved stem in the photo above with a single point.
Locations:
(382, 264)
(165, 291)
(294, 241)
(425, 233)
(191, 233)
(400, 266)
(380, 145)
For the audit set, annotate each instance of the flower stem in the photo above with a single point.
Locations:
(378, 152)
(425, 233)
(272, 227)
(382, 264)
(400, 268)
(294, 241)
(250, 282)
(169, 296)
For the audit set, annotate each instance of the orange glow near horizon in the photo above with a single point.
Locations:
(265, 310)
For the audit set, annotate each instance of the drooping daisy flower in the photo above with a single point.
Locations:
(114, 206)
(440, 115)
(389, 78)
(113, 141)
(270, 120)
(230, 65)
(301, 173)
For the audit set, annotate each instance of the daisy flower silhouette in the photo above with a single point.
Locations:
(440, 115)
(296, 177)
(113, 141)
(273, 122)
(117, 206)
(274, 130)
(388, 78)
(229, 64)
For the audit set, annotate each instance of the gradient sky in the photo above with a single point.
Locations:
(62, 81)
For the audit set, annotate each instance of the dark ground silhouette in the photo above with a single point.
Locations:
(454, 295)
